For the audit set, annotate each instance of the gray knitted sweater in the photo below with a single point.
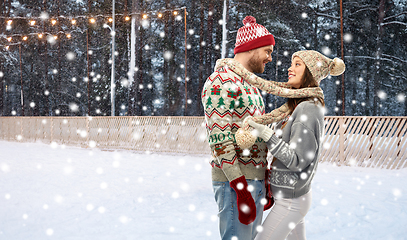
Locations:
(297, 148)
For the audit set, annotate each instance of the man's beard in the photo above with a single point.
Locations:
(256, 64)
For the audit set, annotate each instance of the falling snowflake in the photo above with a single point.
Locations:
(291, 225)
(324, 202)
(103, 185)
(90, 207)
(99, 170)
(74, 107)
(49, 232)
(116, 164)
(175, 195)
(124, 219)
(68, 170)
(348, 37)
(101, 210)
(168, 55)
(382, 94)
(396, 192)
(54, 145)
(191, 207)
(198, 167)
(44, 15)
(401, 97)
(58, 199)
(326, 50)
(70, 56)
(5, 168)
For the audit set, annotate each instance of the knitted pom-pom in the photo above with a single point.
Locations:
(244, 138)
(249, 20)
(337, 67)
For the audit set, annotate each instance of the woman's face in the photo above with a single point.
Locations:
(295, 72)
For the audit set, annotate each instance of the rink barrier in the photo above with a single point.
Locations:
(379, 142)
(366, 141)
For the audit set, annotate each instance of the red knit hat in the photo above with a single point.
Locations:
(252, 35)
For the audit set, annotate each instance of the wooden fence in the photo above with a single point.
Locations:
(355, 141)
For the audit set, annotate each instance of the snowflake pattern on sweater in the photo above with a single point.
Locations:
(227, 100)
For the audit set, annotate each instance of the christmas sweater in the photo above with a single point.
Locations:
(228, 100)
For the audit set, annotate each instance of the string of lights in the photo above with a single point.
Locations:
(127, 16)
(34, 21)
(24, 37)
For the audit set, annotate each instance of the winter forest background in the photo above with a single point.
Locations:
(60, 65)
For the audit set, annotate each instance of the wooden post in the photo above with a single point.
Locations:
(342, 55)
(186, 91)
(88, 57)
(21, 82)
(341, 132)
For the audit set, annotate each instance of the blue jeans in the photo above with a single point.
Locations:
(229, 224)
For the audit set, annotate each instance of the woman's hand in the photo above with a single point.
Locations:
(260, 130)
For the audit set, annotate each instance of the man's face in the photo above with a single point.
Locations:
(259, 58)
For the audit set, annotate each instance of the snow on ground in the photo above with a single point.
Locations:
(61, 192)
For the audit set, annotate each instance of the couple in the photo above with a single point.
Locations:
(243, 184)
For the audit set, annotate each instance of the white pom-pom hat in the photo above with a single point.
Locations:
(319, 65)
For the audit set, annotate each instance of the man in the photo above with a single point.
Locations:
(238, 174)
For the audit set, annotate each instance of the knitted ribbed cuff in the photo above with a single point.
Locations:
(272, 142)
(267, 133)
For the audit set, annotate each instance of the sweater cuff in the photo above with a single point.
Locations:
(273, 142)
(267, 133)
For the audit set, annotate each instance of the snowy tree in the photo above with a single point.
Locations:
(70, 76)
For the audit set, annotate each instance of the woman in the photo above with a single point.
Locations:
(295, 144)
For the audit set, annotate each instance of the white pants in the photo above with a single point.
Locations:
(286, 219)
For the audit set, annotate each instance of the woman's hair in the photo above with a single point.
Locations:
(306, 81)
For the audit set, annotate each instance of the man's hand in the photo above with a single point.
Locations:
(245, 202)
